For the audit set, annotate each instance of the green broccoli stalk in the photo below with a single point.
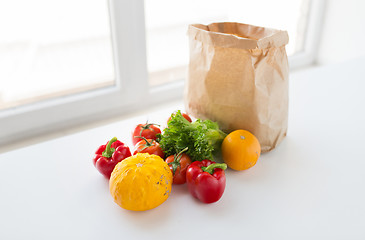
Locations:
(202, 138)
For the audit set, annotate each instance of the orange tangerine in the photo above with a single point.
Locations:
(240, 150)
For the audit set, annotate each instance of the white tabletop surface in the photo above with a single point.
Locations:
(311, 187)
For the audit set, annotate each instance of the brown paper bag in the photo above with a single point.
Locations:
(238, 76)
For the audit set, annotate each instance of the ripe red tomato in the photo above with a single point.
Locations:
(149, 146)
(179, 163)
(147, 130)
(186, 116)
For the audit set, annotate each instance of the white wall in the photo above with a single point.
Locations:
(343, 35)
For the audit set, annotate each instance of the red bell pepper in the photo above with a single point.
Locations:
(108, 155)
(206, 180)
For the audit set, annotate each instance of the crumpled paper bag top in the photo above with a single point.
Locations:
(238, 35)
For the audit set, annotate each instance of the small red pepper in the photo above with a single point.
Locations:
(206, 180)
(108, 155)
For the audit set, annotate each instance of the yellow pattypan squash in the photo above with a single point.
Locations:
(140, 182)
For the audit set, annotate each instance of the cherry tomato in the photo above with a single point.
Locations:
(147, 130)
(179, 163)
(149, 146)
(186, 116)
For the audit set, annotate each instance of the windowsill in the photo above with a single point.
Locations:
(158, 113)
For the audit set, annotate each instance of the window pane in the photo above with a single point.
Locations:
(53, 48)
(167, 21)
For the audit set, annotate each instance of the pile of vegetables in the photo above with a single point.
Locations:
(186, 147)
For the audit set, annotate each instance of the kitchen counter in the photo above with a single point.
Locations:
(312, 186)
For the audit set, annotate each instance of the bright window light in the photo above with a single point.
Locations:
(53, 48)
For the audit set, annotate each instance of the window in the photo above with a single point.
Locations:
(51, 51)
(68, 62)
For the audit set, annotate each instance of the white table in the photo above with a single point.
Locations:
(311, 187)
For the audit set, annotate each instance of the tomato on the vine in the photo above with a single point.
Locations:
(147, 130)
(179, 163)
(149, 146)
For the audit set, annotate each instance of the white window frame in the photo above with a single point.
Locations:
(312, 39)
(131, 90)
